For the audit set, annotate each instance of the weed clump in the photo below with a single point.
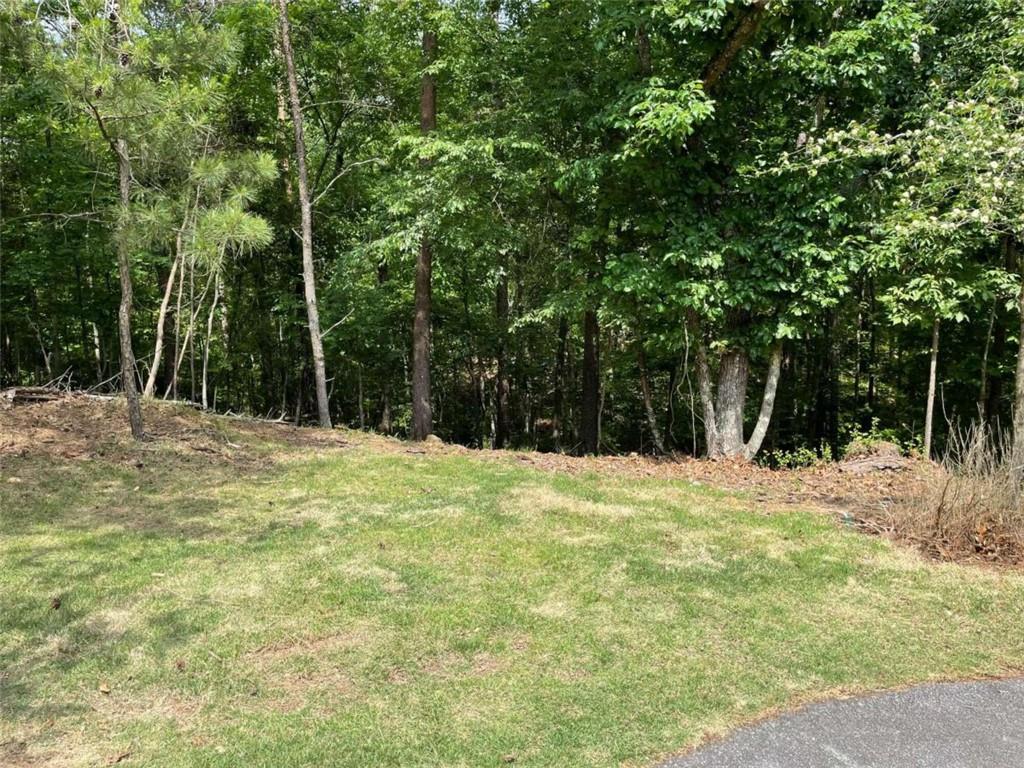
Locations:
(973, 502)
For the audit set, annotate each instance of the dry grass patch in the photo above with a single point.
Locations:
(531, 500)
(973, 503)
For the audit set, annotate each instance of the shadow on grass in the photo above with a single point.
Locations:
(82, 537)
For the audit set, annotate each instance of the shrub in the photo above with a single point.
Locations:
(798, 458)
(878, 442)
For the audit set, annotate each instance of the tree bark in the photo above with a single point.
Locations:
(172, 388)
(932, 377)
(119, 147)
(124, 313)
(764, 417)
(645, 391)
(161, 319)
(591, 405)
(188, 341)
(558, 420)
(422, 410)
(308, 276)
(983, 388)
(501, 426)
(643, 50)
(741, 35)
(1018, 401)
(872, 355)
(731, 399)
(705, 387)
(209, 335)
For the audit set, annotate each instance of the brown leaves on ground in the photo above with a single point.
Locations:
(75, 425)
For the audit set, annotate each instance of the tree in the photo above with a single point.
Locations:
(306, 208)
(422, 410)
(118, 80)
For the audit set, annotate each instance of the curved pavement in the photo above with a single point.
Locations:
(937, 725)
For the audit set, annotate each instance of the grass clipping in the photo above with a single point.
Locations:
(974, 502)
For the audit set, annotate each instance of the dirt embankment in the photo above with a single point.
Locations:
(866, 493)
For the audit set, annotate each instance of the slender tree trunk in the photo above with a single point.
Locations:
(872, 353)
(591, 406)
(124, 314)
(643, 50)
(858, 363)
(177, 334)
(558, 421)
(764, 417)
(983, 389)
(384, 425)
(209, 336)
(158, 350)
(645, 391)
(362, 413)
(670, 407)
(713, 447)
(1018, 401)
(96, 353)
(422, 411)
(193, 311)
(187, 343)
(832, 414)
(932, 377)
(501, 430)
(308, 276)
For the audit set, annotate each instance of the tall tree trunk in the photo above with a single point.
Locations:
(501, 427)
(96, 352)
(705, 387)
(983, 388)
(362, 413)
(308, 276)
(724, 408)
(731, 400)
(188, 341)
(643, 50)
(741, 35)
(158, 350)
(590, 415)
(872, 355)
(422, 411)
(832, 415)
(193, 311)
(119, 147)
(173, 387)
(764, 417)
(929, 411)
(124, 313)
(209, 335)
(670, 407)
(645, 391)
(1018, 401)
(558, 420)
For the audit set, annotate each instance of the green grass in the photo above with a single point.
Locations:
(360, 607)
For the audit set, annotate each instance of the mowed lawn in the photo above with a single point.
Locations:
(359, 606)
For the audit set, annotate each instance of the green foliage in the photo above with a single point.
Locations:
(854, 174)
(802, 457)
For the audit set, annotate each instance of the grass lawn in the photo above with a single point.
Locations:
(367, 606)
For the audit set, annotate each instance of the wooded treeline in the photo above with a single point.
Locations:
(708, 226)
